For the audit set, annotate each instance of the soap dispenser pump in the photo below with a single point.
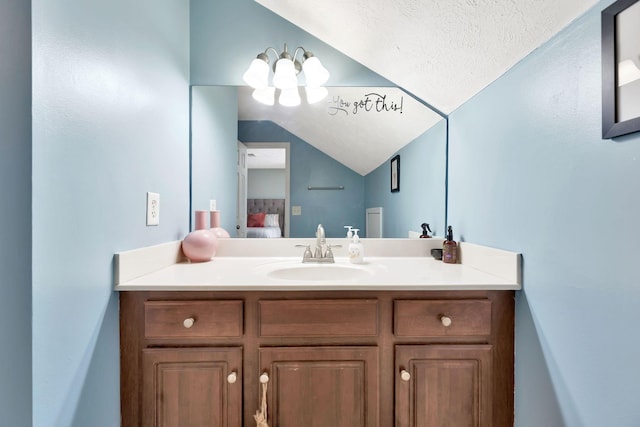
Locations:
(356, 250)
(349, 231)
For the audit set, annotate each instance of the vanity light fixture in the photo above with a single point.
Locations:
(285, 77)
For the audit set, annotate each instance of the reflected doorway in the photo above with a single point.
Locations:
(268, 175)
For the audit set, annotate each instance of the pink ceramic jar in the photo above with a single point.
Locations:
(201, 244)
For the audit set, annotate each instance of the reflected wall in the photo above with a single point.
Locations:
(216, 130)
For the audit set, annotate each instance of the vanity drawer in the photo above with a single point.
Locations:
(437, 318)
(318, 318)
(193, 319)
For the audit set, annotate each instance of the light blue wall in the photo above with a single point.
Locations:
(15, 213)
(227, 35)
(110, 122)
(214, 142)
(266, 184)
(529, 172)
(422, 194)
(310, 167)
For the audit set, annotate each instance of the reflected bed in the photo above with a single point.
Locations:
(269, 207)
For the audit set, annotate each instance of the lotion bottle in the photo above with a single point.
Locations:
(450, 248)
(356, 250)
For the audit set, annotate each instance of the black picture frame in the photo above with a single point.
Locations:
(395, 174)
(611, 126)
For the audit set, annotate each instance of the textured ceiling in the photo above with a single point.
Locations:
(361, 127)
(443, 52)
(266, 158)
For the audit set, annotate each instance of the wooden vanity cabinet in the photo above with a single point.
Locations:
(338, 358)
(191, 387)
(323, 386)
(444, 385)
(450, 384)
(181, 361)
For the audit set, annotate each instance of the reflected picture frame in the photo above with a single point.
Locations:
(395, 174)
(620, 71)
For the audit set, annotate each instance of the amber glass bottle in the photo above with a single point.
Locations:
(450, 248)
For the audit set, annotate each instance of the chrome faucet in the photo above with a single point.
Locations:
(320, 254)
(320, 242)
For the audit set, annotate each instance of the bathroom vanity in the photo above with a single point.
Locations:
(433, 347)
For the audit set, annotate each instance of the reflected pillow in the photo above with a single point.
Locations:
(271, 220)
(256, 220)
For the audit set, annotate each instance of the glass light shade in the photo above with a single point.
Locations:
(257, 75)
(285, 74)
(316, 94)
(314, 72)
(289, 97)
(266, 96)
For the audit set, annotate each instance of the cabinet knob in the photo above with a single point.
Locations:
(405, 375)
(232, 377)
(188, 323)
(446, 321)
(264, 378)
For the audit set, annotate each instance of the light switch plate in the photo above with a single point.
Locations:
(153, 208)
(296, 210)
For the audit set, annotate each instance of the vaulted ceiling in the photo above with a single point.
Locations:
(442, 51)
(361, 136)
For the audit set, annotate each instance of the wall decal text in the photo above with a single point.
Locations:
(371, 102)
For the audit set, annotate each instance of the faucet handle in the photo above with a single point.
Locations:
(329, 252)
(307, 251)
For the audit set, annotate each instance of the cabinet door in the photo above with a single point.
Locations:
(192, 387)
(443, 386)
(321, 386)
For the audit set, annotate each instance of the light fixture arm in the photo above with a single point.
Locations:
(284, 55)
(298, 49)
(306, 54)
(263, 55)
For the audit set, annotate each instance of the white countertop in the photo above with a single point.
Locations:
(160, 268)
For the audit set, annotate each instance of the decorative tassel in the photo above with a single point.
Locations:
(261, 415)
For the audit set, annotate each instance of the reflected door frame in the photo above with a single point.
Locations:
(241, 220)
(287, 174)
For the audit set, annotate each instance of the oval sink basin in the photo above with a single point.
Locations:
(319, 272)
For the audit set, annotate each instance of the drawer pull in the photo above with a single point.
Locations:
(446, 321)
(405, 375)
(188, 323)
(232, 377)
(264, 378)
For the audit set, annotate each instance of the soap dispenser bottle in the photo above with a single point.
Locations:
(356, 250)
(349, 231)
(450, 248)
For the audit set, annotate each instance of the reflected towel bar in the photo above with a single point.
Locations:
(339, 187)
